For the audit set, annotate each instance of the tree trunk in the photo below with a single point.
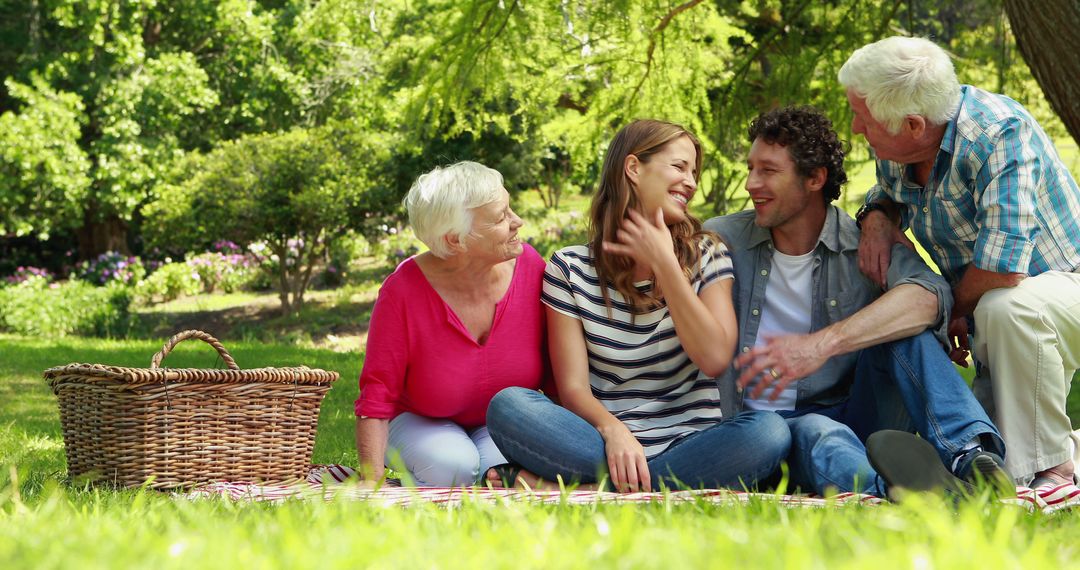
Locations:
(1048, 35)
(279, 249)
(98, 236)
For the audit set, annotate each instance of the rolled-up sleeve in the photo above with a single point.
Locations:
(385, 358)
(907, 267)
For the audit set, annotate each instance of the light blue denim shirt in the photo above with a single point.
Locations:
(839, 291)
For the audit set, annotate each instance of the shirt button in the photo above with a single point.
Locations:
(764, 272)
(832, 302)
(746, 349)
(755, 312)
(925, 210)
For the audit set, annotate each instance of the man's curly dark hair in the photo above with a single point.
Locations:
(810, 140)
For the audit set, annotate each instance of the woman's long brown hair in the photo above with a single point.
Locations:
(616, 197)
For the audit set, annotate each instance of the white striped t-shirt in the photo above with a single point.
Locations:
(637, 368)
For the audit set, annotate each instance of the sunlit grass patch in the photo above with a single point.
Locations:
(91, 528)
(47, 522)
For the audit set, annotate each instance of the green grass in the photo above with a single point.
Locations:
(45, 523)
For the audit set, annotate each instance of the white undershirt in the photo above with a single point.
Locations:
(786, 311)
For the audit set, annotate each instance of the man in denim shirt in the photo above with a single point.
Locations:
(820, 343)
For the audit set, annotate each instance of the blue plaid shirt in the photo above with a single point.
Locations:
(998, 194)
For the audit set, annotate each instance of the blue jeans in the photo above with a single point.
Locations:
(550, 441)
(908, 384)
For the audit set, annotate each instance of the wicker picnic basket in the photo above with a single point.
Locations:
(185, 426)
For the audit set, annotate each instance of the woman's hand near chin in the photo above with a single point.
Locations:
(647, 241)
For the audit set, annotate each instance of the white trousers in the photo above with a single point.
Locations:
(1028, 340)
(439, 453)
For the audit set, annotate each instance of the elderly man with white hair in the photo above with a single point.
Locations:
(451, 327)
(983, 189)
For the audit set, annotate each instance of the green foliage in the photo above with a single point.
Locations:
(340, 255)
(43, 172)
(396, 245)
(40, 309)
(556, 230)
(166, 283)
(294, 192)
(143, 117)
(109, 107)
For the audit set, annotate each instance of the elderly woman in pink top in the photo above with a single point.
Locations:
(451, 327)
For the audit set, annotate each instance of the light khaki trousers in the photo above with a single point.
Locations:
(1028, 339)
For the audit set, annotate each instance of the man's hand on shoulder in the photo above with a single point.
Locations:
(878, 234)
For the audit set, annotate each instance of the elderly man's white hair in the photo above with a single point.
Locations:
(902, 76)
(441, 201)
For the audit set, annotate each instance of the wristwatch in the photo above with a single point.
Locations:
(865, 211)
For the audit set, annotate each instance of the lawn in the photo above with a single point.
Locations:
(45, 523)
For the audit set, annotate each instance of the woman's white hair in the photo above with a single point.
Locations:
(901, 76)
(441, 202)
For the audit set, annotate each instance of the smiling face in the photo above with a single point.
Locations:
(494, 231)
(667, 181)
(779, 193)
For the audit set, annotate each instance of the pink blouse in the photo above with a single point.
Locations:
(420, 358)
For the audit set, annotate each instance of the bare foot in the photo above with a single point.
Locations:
(529, 480)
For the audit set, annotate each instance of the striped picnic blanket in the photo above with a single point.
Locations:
(330, 482)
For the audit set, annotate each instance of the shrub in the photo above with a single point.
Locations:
(555, 231)
(340, 255)
(228, 272)
(397, 245)
(111, 266)
(24, 273)
(38, 308)
(225, 270)
(294, 191)
(168, 282)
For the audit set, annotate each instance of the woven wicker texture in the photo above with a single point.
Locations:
(180, 427)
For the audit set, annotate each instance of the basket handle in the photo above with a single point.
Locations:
(179, 337)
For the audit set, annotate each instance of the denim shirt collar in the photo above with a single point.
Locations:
(834, 236)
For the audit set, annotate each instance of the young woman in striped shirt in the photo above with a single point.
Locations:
(640, 320)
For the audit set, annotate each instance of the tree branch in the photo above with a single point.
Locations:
(664, 23)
